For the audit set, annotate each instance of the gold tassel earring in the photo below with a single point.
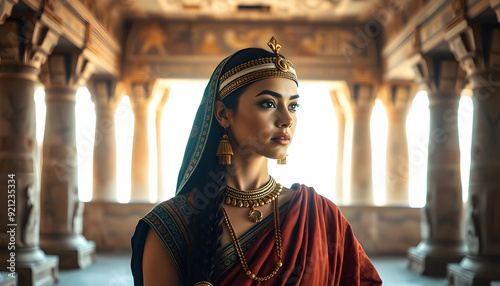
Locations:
(224, 152)
(282, 161)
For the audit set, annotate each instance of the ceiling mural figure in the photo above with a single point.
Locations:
(153, 36)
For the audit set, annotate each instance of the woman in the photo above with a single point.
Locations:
(230, 223)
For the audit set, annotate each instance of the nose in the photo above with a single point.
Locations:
(284, 118)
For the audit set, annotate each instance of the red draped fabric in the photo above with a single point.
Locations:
(319, 248)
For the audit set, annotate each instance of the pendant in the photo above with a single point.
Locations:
(255, 215)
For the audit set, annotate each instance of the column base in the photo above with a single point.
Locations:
(475, 272)
(74, 251)
(31, 265)
(43, 273)
(8, 280)
(432, 261)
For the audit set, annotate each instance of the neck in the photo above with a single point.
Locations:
(247, 173)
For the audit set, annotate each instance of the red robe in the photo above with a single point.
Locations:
(319, 248)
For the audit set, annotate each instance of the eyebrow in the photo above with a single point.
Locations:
(275, 94)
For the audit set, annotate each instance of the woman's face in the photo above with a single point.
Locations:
(265, 120)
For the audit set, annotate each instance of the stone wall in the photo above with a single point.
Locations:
(381, 230)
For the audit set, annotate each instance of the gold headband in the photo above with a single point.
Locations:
(255, 70)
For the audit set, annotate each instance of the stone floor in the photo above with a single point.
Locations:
(112, 269)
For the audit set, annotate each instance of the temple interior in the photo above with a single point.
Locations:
(398, 125)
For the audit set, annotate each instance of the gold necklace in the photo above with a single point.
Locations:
(241, 254)
(253, 199)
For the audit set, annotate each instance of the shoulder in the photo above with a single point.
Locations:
(177, 207)
(309, 197)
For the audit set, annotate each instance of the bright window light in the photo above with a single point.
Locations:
(379, 128)
(465, 120)
(417, 126)
(312, 156)
(41, 111)
(153, 160)
(124, 130)
(176, 123)
(85, 136)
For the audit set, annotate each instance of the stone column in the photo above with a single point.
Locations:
(361, 99)
(340, 113)
(442, 229)
(162, 195)
(476, 47)
(140, 91)
(397, 99)
(29, 40)
(106, 95)
(62, 211)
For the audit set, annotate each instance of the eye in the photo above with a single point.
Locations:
(267, 104)
(293, 107)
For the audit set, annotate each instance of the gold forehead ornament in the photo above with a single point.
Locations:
(281, 64)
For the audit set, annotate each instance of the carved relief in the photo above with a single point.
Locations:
(473, 225)
(31, 217)
(164, 38)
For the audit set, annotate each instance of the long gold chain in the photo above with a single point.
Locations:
(241, 254)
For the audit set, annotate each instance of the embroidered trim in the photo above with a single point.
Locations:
(169, 222)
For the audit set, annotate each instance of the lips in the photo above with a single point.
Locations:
(282, 139)
(282, 136)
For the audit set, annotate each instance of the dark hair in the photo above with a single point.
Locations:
(206, 224)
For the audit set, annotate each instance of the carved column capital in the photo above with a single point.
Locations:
(397, 98)
(495, 5)
(66, 70)
(6, 9)
(361, 98)
(106, 93)
(140, 89)
(476, 47)
(30, 38)
(438, 75)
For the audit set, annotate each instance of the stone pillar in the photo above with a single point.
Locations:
(442, 228)
(397, 99)
(29, 40)
(140, 91)
(341, 120)
(476, 47)
(361, 100)
(106, 95)
(162, 195)
(62, 212)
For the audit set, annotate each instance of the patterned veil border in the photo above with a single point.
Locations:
(200, 130)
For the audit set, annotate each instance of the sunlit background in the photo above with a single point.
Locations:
(311, 158)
